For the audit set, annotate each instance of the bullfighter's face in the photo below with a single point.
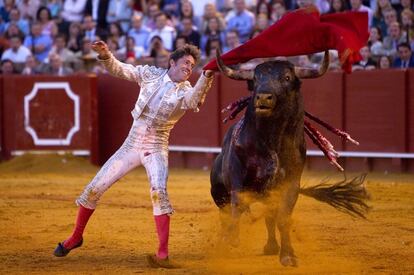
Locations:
(181, 69)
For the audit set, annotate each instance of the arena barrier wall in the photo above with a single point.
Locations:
(375, 107)
(47, 113)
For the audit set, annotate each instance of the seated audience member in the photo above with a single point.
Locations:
(116, 32)
(212, 31)
(167, 33)
(91, 31)
(17, 53)
(67, 56)
(338, 6)
(405, 57)
(367, 63)
(44, 17)
(375, 41)
(86, 56)
(188, 31)
(232, 41)
(56, 67)
(180, 41)
(384, 62)
(161, 61)
(278, 9)
(240, 19)
(7, 67)
(40, 44)
(120, 11)
(28, 8)
(156, 47)
(139, 32)
(75, 37)
(15, 18)
(211, 46)
(130, 50)
(396, 36)
(262, 22)
(31, 67)
(210, 12)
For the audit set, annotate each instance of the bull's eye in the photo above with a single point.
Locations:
(287, 78)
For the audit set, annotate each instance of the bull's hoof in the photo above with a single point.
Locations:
(271, 249)
(288, 261)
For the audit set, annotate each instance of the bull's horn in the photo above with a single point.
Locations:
(313, 73)
(234, 74)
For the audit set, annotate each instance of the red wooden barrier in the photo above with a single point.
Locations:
(48, 113)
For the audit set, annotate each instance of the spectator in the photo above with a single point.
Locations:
(180, 41)
(356, 5)
(212, 32)
(13, 29)
(375, 41)
(72, 11)
(262, 22)
(6, 9)
(86, 56)
(211, 12)
(390, 16)
(120, 11)
(402, 5)
(131, 50)
(338, 6)
(241, 20)
(156, 47)
(188, 31)
(378, 20)
(149, 18)
(75, 37)
(44, 17)
(407, 16)
(263, 7)
(186, 11)
(405, 58)
(56, 66)
(395, 37)
(116, 32)
(139, 32)
(277, 11)
(31, 66)
(113, 46)
(322, 5)
(200, 5)
(232, 41)
(305, 62)
(384, 62)
(7, 67)
(38, 43)
(161, 60)
(98, 9)
(60, 48)
(91, 31)
(17, 53)
(55, 7)
(171, 7)
(28, 9)
(15, 18)
(211, 46)
(367, 63)
(164, 31)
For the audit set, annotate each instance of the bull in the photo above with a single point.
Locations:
(264, 154)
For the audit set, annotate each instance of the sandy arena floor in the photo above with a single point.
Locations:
(37, 211)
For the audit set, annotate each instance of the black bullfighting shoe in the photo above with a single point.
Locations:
(156, 262)
(61, 251)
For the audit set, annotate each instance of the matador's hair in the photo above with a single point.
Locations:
(187, 49)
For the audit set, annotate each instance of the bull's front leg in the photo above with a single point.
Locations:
(234, 179)
(289, 195)
(271, 247)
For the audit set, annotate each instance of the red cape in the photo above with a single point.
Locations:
(305, 31)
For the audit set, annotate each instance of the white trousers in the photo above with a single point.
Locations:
(143, 146)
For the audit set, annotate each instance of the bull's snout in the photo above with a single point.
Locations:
(264, 103)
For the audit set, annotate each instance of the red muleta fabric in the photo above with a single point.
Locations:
(305, 31)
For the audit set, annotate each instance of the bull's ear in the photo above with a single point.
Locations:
(314, 73)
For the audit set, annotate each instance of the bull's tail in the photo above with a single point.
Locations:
(347, 196)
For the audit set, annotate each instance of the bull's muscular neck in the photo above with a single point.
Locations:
(283, 127)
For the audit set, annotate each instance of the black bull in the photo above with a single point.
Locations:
(264, 154)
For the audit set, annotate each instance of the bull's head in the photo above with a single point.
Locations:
(275, 82)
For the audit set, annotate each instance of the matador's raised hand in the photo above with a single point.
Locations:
(102, 49)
